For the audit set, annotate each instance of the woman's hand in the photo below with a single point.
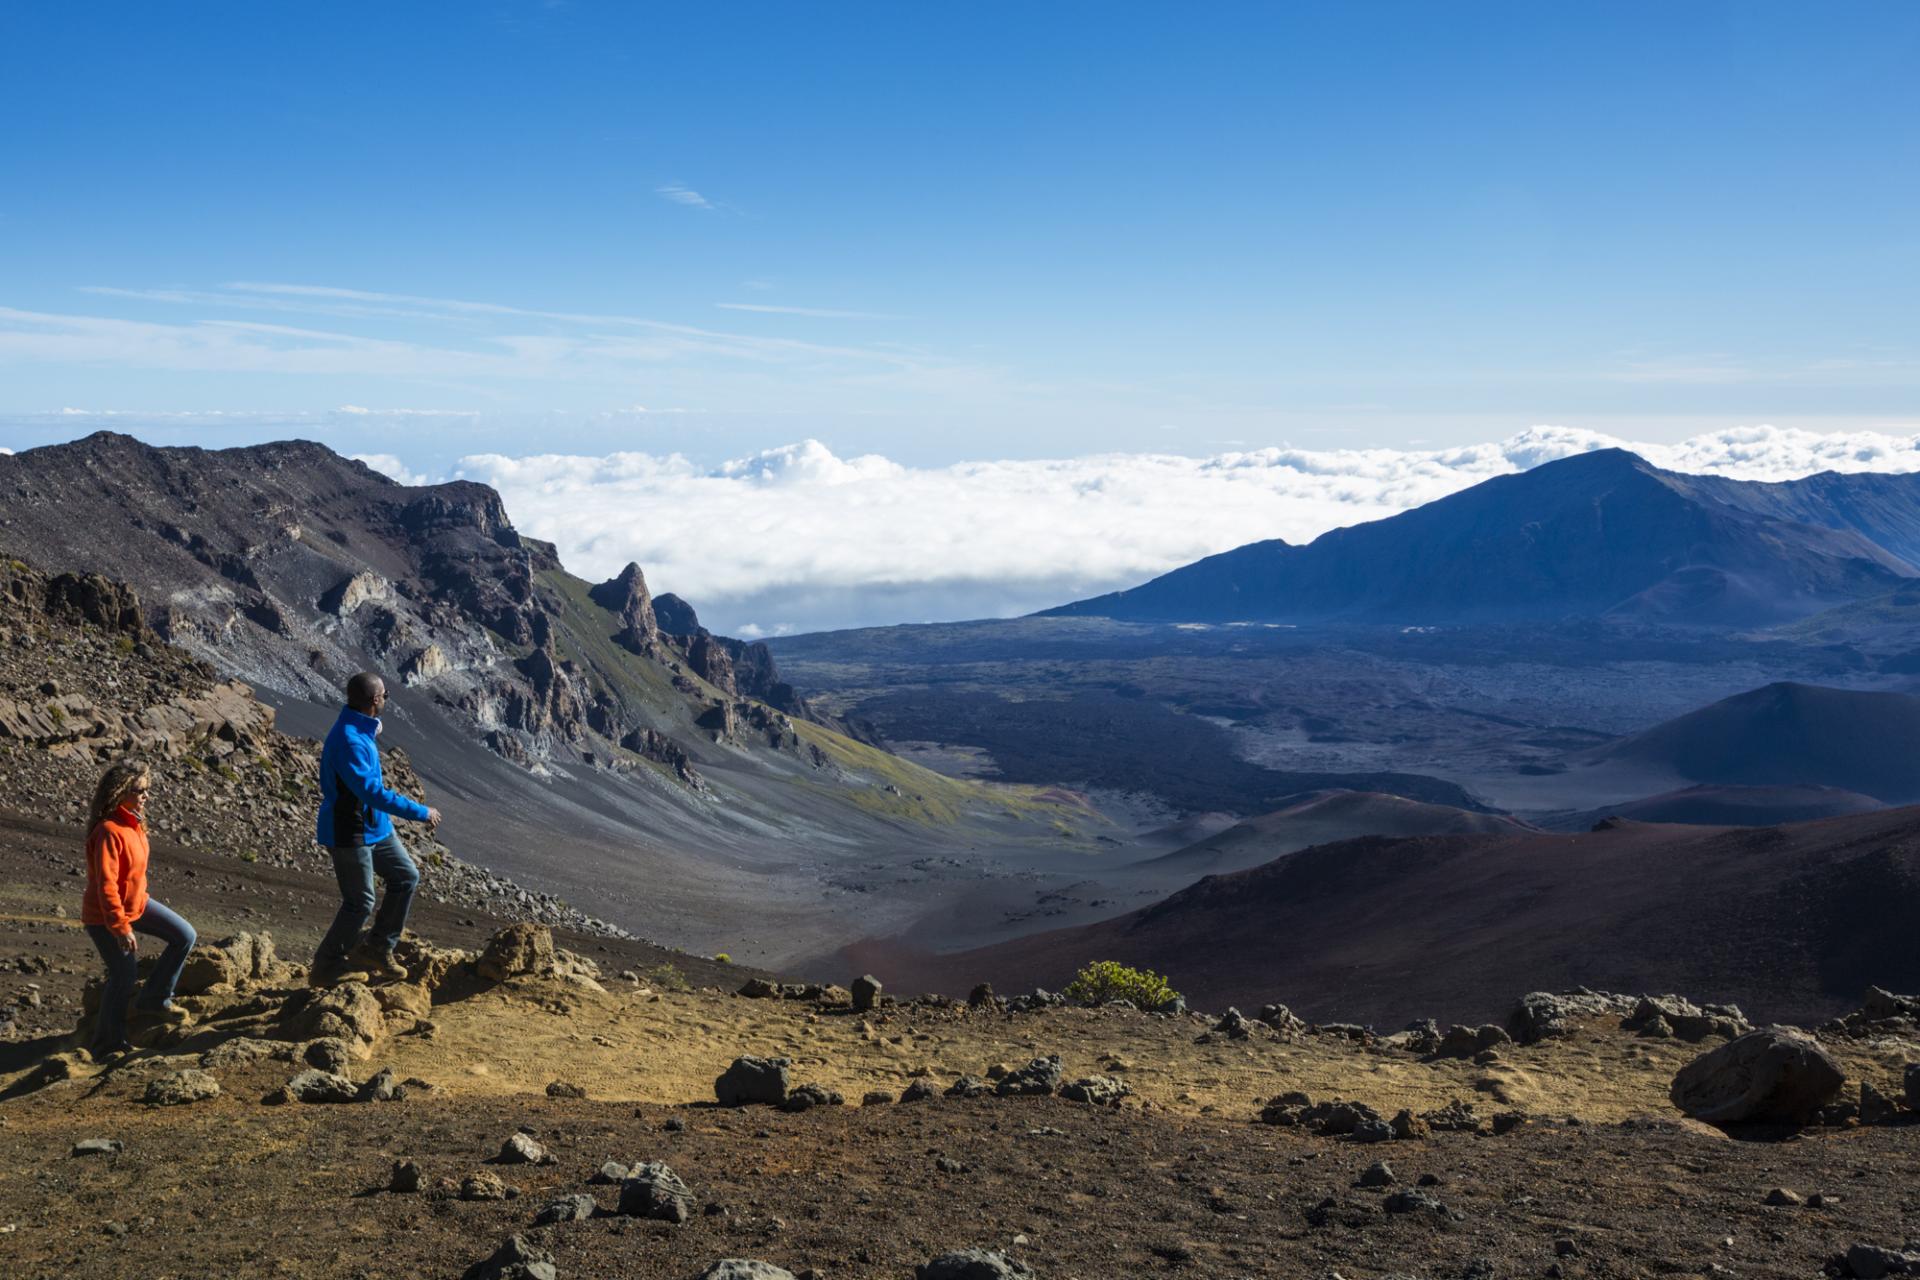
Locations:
(129, 942)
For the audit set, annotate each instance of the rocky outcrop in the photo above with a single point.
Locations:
(92, 600)
(653, 745)
(354, 591)
(1776, 1075)
(626, 598)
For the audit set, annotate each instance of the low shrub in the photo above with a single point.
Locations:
(1108, 980)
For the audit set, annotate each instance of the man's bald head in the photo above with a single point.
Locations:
(365, 692)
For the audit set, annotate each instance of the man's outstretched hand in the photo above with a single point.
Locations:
(433, 818)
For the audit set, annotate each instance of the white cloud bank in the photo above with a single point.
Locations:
(797, 539)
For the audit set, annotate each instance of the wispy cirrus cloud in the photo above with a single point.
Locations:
(680, 193)
(824, 313)
(447, 338)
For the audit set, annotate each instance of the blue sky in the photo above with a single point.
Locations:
(963, 231)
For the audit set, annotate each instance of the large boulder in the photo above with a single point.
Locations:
(750, 1080)
(517, 950)
(1776, 1075)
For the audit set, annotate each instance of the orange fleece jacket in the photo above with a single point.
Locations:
(116, 873)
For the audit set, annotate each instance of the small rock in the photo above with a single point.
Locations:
(1506, 1122)
(321, 1086)
(1565, 1248)
(808, 1096)
(1408, 1127)
(405, 1178)
(520, 1149)
(1100, 1091)
(876, 1098)
(178, 1087)
(1782, 1196)
(483, 1186)
(969, 1087)
(381, 1087)
(1377, 1174)
(1871, 1262)
(514, 1260)
(1412, 1202)
(1372, 1129)
(565, 1089)
(1875, 1106)
(609, 1173)
(98, 1147)
(745, 1269)
(573, 1208)
(329, 1053)
(919, 1091)
(866, 993)
(1039, 1077)
(675, 1124)
(973, 1264)
(652, 1190)
(947, 1164)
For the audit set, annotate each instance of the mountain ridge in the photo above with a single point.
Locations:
(1603, 533)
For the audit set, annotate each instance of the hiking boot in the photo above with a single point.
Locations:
(326, 973)
(378, 962)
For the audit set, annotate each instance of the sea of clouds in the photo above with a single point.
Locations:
(797, 539)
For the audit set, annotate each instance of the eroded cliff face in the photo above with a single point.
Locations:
(293, 567)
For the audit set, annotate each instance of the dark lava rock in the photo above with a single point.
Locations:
(919, 1091)
(1774, 1075)
(1875, 1106)
(1413, 1202)
(866, 993)
(753, 1080)
(652, 1190)
(514, 1260)
(609, 1173)
(808, 1096)
(573, 1208)
(965, 1087)
(565, 1089)
(1871, 1262)
(380, 1087)
(981, 997)
(1377, 1174)
(1038, 1078)
(973, 1264)
(98, 1147)
(405, 1178)
(876, 1098)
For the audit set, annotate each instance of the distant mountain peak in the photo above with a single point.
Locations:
(1596, 534)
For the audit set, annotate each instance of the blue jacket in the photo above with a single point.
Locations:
(354, 797)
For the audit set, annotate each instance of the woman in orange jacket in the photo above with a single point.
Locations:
(117, 908)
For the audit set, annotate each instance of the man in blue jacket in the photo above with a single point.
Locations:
(357, 809)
